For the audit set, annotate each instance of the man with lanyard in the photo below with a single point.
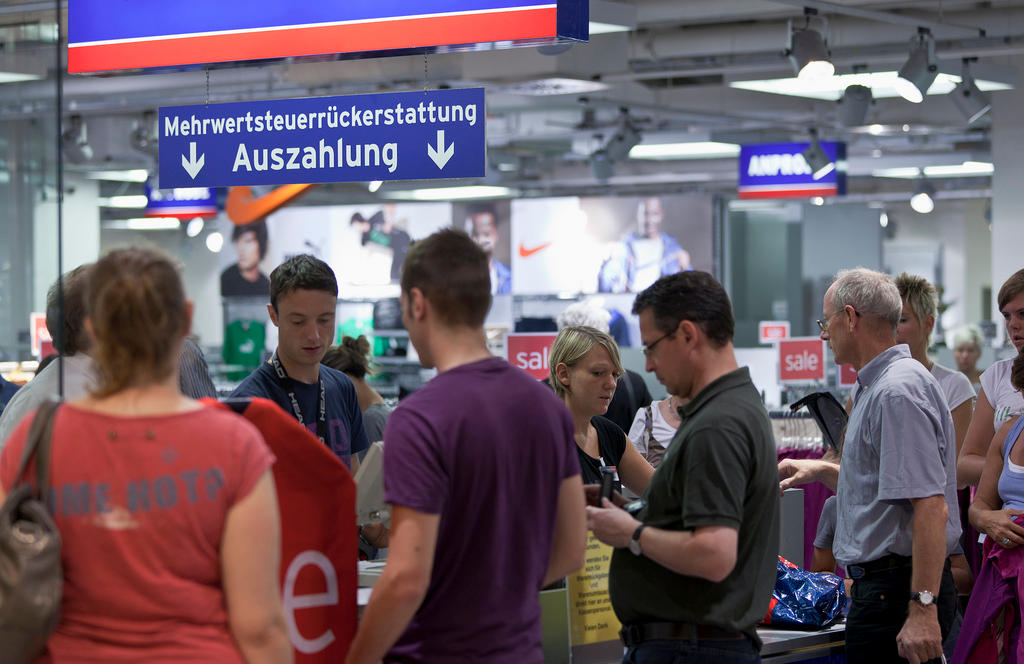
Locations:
(897, 516)
(303, 297)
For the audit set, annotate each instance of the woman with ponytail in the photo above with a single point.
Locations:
(167, 509)
(351, 359)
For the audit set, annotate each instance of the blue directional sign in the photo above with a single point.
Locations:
(386, 136)
(779, 170)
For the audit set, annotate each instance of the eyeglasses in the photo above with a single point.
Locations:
(823, 324)
(650, 349)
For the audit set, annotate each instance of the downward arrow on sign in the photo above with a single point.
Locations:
(192, 165)
(441, 155)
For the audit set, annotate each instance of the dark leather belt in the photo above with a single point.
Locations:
(883, 564)
(678, 631)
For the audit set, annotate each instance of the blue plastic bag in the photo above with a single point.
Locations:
(804, 600)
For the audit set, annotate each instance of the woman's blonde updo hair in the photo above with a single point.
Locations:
(136, 303)
(350, 357)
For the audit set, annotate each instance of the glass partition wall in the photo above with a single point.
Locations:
(30, 178)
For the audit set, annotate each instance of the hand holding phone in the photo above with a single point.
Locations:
(607, 484)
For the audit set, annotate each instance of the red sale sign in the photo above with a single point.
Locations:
(529, 351)
(801, 360)
(39, 335)
(770, 331)
(847, 375)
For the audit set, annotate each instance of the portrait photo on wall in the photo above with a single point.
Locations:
(245, 275)
(487, 222)
(364, 244)
(645, 238)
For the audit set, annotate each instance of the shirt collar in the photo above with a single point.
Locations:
(721, 384)
(873, 369)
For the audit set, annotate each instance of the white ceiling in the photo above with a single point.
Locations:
(670, 75)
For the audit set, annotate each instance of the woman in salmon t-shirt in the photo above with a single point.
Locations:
(167, 510)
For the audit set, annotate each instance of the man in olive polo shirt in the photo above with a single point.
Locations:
(692, 574)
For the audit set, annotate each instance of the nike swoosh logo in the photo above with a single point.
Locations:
(242, 208)
(526, 253)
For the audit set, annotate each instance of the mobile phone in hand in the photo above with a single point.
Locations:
(607, 484)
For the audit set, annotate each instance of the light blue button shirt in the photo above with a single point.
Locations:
(900, 444)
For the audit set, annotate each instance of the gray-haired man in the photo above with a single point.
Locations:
(896, 488)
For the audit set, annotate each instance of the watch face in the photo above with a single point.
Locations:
(924, 597)
(634, 547)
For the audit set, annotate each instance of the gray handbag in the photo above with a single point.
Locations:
(31, 580)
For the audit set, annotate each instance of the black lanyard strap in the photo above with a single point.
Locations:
(288, 385)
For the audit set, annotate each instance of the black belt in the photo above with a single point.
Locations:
(678, 631)
(883, 564)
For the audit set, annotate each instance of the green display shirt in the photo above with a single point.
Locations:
(720, 470)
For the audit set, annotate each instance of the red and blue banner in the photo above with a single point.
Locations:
(181, 203)
(779, 170)
(106, 35)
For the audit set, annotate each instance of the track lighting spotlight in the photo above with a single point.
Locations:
(144, 135)
(854, 105)
(819, 162)
(920, 69)
(625, 138)
(808, 51)
(923, 200)
(971, 101)
(75, 141)
(602, 167)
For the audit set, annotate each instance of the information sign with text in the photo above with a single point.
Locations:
(801, 360)
(386, 136)
(529, 351)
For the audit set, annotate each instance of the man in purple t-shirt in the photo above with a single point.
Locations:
(481, 473)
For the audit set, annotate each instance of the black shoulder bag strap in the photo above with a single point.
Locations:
(40, 433)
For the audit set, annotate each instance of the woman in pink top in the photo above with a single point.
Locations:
(167, 509)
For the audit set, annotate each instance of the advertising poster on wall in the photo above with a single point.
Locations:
(608, 245)
(364, 244)
(645, 238)
(487, 222)
(553, 252)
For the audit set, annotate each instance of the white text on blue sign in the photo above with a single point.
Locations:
(387, 136)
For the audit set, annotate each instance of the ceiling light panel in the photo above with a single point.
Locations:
(882, 84)
(694, 150)
(452, 193)
(965, 170)
(546, 87)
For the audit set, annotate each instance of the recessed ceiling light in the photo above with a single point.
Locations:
(15, 77)
(129, 175)
(546, 87)
(608, 17)
(452, 193)
(126, 202)
(965, 170)
(215, 242)
(883, 85)
(694, 150)
(144, 224)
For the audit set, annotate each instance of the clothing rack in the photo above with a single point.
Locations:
(795, 431)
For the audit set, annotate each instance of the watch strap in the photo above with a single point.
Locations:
(634, 541)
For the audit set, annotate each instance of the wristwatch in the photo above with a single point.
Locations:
(634, 541)
(924, 598)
